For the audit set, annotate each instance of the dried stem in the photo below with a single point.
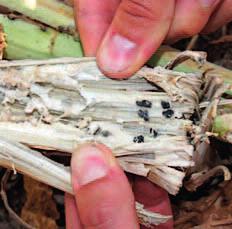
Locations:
(200, 178)
(198, 57)
(37, 166)
(58, 104)
(166, 54)
(192, 42)
(47, 105)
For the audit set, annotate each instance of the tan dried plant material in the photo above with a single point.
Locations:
(149, 219)
(58, 104)
(198, 57)
(207, 166)
(39, 167)
(179, 87)
(39, 210)
(182, 87)
(198, 179)
(61, 103)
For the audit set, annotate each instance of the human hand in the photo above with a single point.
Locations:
(123, 34)
(103, 196)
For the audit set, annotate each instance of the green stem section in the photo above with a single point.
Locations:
(26, 40)
(50, 12)
(166, 53)
(223, 127)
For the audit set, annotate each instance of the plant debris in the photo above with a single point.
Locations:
(57, 100)
(168, 125)
(57, 104)
(39, 210)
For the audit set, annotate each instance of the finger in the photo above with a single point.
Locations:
(103, 195)
(137, 30)
(71, 213)
(154, 198)
(93, 17)
(222, 15)
(190, 18)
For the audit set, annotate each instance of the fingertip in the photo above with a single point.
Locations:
(137, 30)
(116, 56)
(89, 163)
(103, 194)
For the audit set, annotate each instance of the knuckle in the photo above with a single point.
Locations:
(100, 217)
(139, 9)
(188, 31)
(86, 13)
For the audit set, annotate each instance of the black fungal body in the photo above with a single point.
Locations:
(105, 133)
(144, 103)
(153, 132)
(165, 105)
(98, 130)
(138, 139)
(168, 113)
(144, 115)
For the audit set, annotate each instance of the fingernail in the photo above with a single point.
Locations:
(208, 3)
(89, 164)
(117, 53)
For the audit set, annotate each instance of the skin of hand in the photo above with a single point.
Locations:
(103, 197)
(123, 34)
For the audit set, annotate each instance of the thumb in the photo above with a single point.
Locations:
(137, 30)
(103, 195)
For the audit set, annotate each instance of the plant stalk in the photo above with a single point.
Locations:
(60, 103)
(27, 40)
(53, 13)
(33, 164)
(165, 53)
